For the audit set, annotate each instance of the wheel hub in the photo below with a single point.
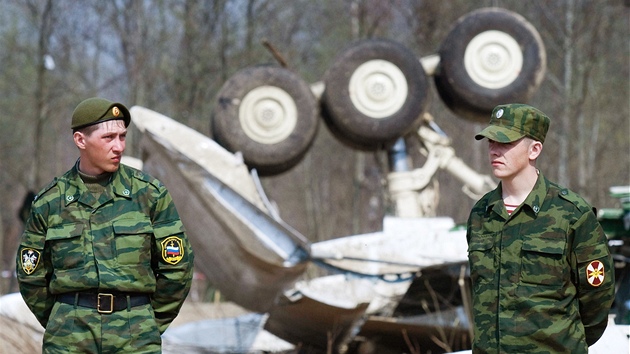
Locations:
(378, 88)
(493, 59)
(268, 114)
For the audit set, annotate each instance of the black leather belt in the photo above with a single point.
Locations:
(104, 302)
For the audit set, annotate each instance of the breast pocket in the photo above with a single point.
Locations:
(482, 258)
(543, 262)
(67, 246)
(132, 240)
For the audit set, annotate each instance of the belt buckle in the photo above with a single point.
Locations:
(105, 301)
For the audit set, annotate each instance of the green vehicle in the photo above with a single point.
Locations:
(616, 224)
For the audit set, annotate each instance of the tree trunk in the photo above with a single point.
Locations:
(565, 118)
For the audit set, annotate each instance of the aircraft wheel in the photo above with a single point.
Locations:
(491, 56)
(269, 114)
(375, 92)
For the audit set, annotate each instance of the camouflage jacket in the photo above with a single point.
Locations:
(542, 278)
(130, 239)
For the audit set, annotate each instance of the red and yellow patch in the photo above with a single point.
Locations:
(172, 250)
(30, 260)
(595, 274)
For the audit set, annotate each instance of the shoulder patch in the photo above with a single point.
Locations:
(172, 250)
(595, 273)
(30, 260)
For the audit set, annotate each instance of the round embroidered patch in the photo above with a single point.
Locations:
(30, 260)
(595, 273)
(172, 250)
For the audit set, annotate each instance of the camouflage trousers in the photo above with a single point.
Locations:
(75, 329)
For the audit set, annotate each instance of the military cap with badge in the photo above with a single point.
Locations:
(96, 110)
(511, 122)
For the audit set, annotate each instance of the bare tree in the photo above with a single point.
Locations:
(44, 17)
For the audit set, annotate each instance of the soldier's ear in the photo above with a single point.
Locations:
(79, 139)
(535, 148)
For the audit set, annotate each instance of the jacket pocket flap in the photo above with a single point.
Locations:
(64, 231)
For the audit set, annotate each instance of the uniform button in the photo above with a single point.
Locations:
(564, 192)
(126, 192)
(536, 209)
(70, 198)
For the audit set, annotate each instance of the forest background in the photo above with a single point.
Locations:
(172, 56)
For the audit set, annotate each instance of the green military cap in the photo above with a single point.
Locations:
(510, 122)
(95, 110)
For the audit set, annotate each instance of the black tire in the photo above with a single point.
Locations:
(375, 92)
(355, 143)
(269, 114)
(505, 63)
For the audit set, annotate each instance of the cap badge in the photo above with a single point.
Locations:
(30, 260)
(595, 273)
(500, 113)
(116, 111)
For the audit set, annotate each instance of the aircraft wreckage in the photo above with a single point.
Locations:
(257, 261)
(402, 289)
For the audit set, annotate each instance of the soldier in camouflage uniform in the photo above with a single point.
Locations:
(542, 275)
(104, 262)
